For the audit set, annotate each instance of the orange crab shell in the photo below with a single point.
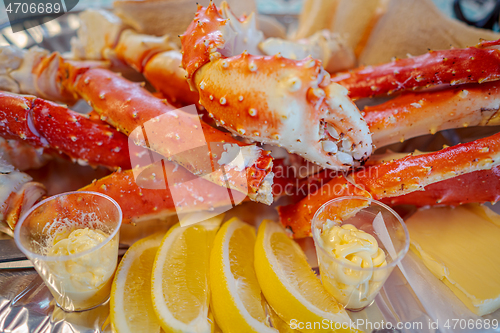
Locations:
(258, 115)
(41, 123)
(204, 33)
(155, 200)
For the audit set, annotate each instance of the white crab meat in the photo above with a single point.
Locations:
(324, 45)
(97, 36)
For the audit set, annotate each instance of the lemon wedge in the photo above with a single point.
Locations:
(236, 295)
(180, 289)
(131, 308)
(291, 287)
(215, 326)
(279, 323)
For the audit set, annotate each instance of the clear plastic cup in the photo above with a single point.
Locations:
(352, 268)
(72, 241)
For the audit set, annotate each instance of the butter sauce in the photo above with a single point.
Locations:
(349, 278)
(84, 280)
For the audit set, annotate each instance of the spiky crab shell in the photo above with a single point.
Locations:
(475, 187)
(454, 66)
(49, 125)
(202, 39)
(284, 102)
(271, 99)
(412, 114)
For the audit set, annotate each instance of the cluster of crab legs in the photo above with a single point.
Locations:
(251, 99)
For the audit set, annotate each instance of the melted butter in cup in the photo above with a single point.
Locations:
(85, 281)
(352, 247)
(72, 240)
(358, 242)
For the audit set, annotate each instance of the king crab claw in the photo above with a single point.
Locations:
(271, 99)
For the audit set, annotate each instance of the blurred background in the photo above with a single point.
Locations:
(475, 8)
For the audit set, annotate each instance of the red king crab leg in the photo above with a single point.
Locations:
(454, 66)
(36, 72)
(271, 99)
(49, 125)
(156, 58)
(479, 187)
(159, 60)
(172, 133)
(396, 178)
(46, 124)
(148, 196)
(151, 197)
(418, 113)
(475, 187)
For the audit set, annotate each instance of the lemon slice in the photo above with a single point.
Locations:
(291, 287)
(236, 295)
(215, 326)
(279, 323)
(180, 289)
(131, 308)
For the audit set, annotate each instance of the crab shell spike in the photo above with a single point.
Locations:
(198, 41)
(395, 178)
(454, 66)
(414, 172)
(488, 43)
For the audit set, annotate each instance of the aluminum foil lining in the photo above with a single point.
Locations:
(26, 305)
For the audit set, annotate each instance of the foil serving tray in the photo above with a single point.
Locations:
(412, 296)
